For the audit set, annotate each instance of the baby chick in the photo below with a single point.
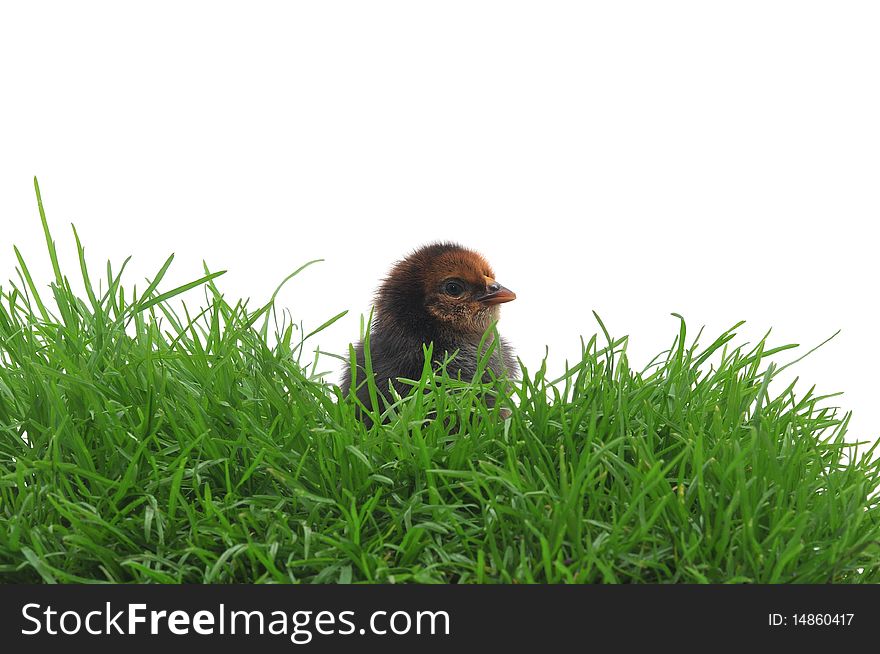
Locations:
(442, 294)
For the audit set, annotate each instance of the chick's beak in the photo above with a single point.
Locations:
(497, 294)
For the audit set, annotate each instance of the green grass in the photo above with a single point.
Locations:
(141, 445)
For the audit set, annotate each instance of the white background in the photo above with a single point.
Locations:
(720, 160)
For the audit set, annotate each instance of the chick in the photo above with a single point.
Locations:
(443, 294)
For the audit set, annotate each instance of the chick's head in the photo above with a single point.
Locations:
(443, 287)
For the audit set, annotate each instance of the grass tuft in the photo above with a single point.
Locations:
(140, 443)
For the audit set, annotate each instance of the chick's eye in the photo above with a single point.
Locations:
(453, 288)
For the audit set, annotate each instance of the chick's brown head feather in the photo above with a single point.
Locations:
(441, 288)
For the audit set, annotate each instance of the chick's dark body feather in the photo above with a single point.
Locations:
(409, 315)
(394, 358)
